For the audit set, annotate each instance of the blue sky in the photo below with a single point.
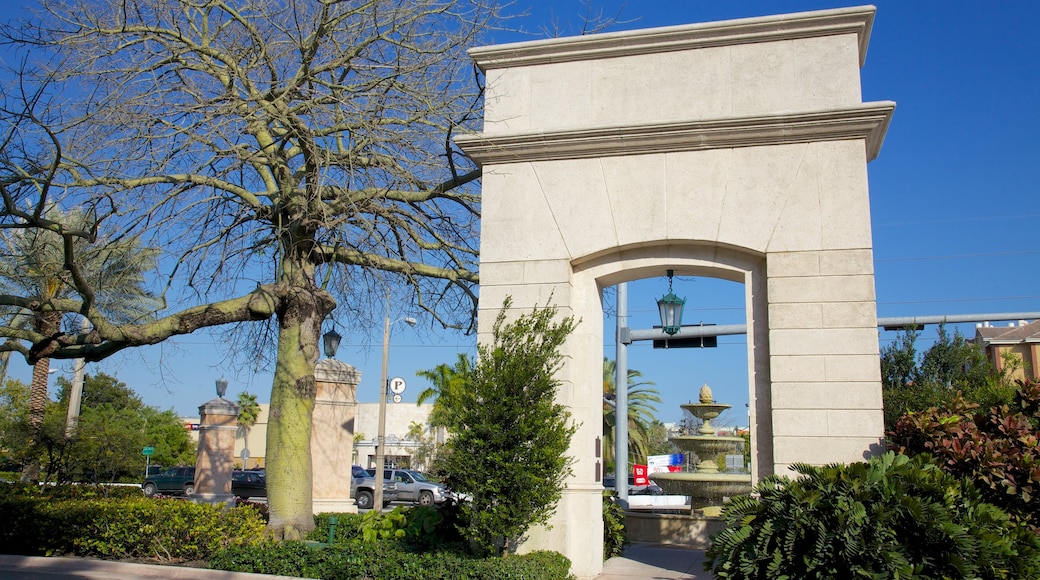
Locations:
(953, 202)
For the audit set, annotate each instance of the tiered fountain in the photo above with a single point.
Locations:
(706, 485)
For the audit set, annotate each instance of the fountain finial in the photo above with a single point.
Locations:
(706, 396)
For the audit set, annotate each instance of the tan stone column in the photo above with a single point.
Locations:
(332, 435)
(218, 424)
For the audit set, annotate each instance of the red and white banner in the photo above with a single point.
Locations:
(665, 463)
(639, 475)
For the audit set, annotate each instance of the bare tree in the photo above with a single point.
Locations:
(286, 155)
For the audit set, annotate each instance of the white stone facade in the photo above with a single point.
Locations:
(735, 150)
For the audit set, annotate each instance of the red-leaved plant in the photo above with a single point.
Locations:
(997, 448)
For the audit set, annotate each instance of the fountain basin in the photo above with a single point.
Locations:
(703, 486)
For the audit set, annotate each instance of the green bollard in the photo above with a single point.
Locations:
(333, 520)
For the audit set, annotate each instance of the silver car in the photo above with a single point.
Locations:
(363, 485)
(414, 487)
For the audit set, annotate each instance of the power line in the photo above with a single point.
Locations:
(936, 301)
(959, 256)
(957, 220)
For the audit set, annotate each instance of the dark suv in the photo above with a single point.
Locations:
(175, 481)
(181, 481)
(247, 484)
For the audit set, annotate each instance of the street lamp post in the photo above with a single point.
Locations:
(377, 495)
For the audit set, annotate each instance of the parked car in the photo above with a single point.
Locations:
(414, 487)
(173, 480)
(363, 487)
(181, 481)
(633, 489)
(247, 484)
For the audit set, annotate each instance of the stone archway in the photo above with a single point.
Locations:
(734, 148)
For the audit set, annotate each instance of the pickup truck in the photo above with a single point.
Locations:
(363, 487)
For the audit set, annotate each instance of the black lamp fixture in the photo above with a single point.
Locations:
(222, 384)
(671, 308)
(331, 341)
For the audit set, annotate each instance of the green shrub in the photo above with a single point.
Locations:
(614, 538)
(377, 526)
(510, 436)
(354, 560)
(996, 448)
(91, 491)
(892, 517)
(430, 528)
(277, 558)
(123, 528)
(348, 527)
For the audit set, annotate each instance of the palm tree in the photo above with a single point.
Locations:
(248, 413)
(641, 414)
(446, 382)
(35, 267)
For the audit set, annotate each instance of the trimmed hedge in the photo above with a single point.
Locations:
(168, 530)
(358, 560)
(73, 522)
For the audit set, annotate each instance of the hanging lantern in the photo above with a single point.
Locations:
(671, 308)
(331, 341)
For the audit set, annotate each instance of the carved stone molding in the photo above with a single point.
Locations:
(868, 122)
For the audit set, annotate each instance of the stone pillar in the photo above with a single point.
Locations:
(332, 436)
(218, 424)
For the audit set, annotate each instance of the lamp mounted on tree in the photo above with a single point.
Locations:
(671, 308)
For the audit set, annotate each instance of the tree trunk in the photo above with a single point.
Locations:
(38, 394)
(47, 323)
(288, 468)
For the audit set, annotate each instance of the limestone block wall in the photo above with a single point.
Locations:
(824, 362)
(716, 70)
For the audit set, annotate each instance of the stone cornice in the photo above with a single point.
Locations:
(868, 122)
(855, 20)
(335, 371)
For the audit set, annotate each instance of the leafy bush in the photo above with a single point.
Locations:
(509, 443)
(353, 560)
(429, 528)
(915, 382)
(891, 517)
(614, 538)
(36, 524)
(348, 527)
(261, 508)
(996, 448)
(86, 491)
(377, 526)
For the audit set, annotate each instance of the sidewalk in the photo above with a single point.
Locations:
(655, 562)
(35, 568)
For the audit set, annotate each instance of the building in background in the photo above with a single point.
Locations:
(1017, 344)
